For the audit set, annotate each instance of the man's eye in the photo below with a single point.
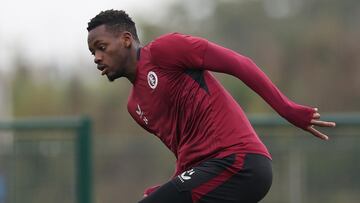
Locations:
(102, 47)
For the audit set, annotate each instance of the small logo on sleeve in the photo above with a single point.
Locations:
(152, 79)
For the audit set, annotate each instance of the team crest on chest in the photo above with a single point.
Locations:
(152, 79)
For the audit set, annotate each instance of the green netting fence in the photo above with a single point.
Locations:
(45, 160)
(49, 160)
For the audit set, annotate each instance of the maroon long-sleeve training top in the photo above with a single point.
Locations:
(176, 98)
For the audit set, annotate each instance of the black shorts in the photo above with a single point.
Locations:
(237, 178)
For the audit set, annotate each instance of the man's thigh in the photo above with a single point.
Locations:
(182, 187)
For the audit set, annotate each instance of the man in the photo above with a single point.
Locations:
(174, 96)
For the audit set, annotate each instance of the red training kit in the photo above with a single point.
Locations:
(175, 97)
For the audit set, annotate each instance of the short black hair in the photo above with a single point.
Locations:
(116, 20)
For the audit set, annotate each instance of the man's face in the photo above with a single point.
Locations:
(109, 51)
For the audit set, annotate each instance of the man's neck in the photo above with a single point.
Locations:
(133, 59)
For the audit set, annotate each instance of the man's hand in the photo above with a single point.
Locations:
(150, 190)
(316, 122)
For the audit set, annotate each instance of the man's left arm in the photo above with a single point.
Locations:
(220, 59)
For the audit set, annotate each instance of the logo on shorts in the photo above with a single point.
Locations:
(152, 79)
(186, 175)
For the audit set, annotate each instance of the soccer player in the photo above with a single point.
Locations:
(220, 158)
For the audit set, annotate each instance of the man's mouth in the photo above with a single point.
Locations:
(102, 68)
(104, 71)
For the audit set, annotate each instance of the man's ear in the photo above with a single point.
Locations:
(127, 39)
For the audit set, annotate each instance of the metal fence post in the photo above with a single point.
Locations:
(83, 155)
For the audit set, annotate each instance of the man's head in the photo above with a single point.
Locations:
(112, 35)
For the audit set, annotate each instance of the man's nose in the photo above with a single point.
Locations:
(98, 58)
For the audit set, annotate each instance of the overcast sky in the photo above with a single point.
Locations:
(55, 31)
(48, 31)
